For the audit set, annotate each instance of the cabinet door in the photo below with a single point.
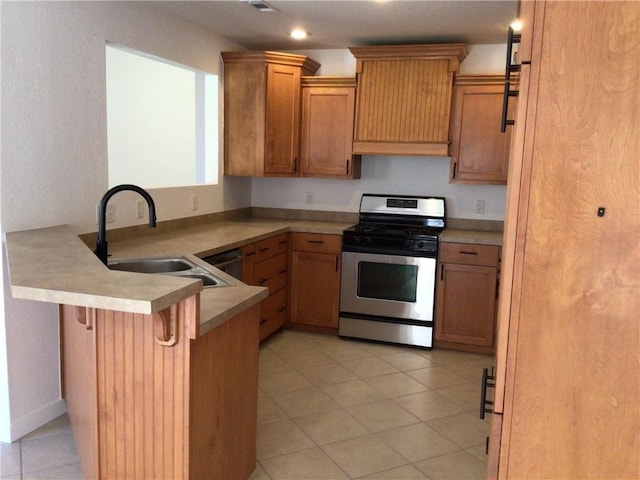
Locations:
(282, 120)
(244, 104)
(315, 289)
(327, 132)
(465, 310)
(479, 151)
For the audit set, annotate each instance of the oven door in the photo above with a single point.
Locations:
(388, 285)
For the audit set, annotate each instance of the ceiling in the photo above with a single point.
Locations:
(340, 24)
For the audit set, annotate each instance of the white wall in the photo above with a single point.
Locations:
(389, 174)
(54, 160)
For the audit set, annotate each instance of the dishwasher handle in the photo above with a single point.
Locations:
(226, 263)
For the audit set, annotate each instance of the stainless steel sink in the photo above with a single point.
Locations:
(175, 266)
(151, 265)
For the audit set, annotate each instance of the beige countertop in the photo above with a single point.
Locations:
(53, 265)
(218, 237)
(471, 236)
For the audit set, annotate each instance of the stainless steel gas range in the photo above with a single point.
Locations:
(389, 269)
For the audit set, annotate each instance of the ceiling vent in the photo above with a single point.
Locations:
(262, 6)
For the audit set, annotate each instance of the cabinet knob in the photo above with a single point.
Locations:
(263, 280)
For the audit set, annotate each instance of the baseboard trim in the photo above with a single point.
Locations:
(33, 420)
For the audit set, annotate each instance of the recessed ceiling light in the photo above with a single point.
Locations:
(298, 33)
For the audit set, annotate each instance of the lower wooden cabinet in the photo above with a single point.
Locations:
(315, 281)
(466, 297)
(266, 264)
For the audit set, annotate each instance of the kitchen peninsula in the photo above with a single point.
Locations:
(159, 375)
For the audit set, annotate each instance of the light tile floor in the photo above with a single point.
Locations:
(331, 408)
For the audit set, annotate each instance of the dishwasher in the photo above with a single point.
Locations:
(230, 262)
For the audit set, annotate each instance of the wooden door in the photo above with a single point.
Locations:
(573, 378)
(282, 120)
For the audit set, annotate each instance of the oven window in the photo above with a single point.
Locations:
(387, 281)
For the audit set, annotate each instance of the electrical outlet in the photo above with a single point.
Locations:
(110, 213)
(309, 198)
(194, 202)
(140, 208)
(480, 206)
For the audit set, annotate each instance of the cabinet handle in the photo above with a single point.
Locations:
(347, 166)
(249, 254)
(283, 242)
(464, 252)
(318, 242)
(455, 169)
(441, 273)
(488, 381)
(512, 38)
(337, 260)
(263, 280)
(264, 249)
(282, 309)
(282, 271)
(263, 321)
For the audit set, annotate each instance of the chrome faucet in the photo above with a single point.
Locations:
(101, 243)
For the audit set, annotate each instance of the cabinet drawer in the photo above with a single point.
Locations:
(272, 272)
(270, 247)
(317, 242)
(273, 313)
(469, 254)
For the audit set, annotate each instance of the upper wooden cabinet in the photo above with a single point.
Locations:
(479, 151)
(328, 105)
(403, 99)
(262, 112)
